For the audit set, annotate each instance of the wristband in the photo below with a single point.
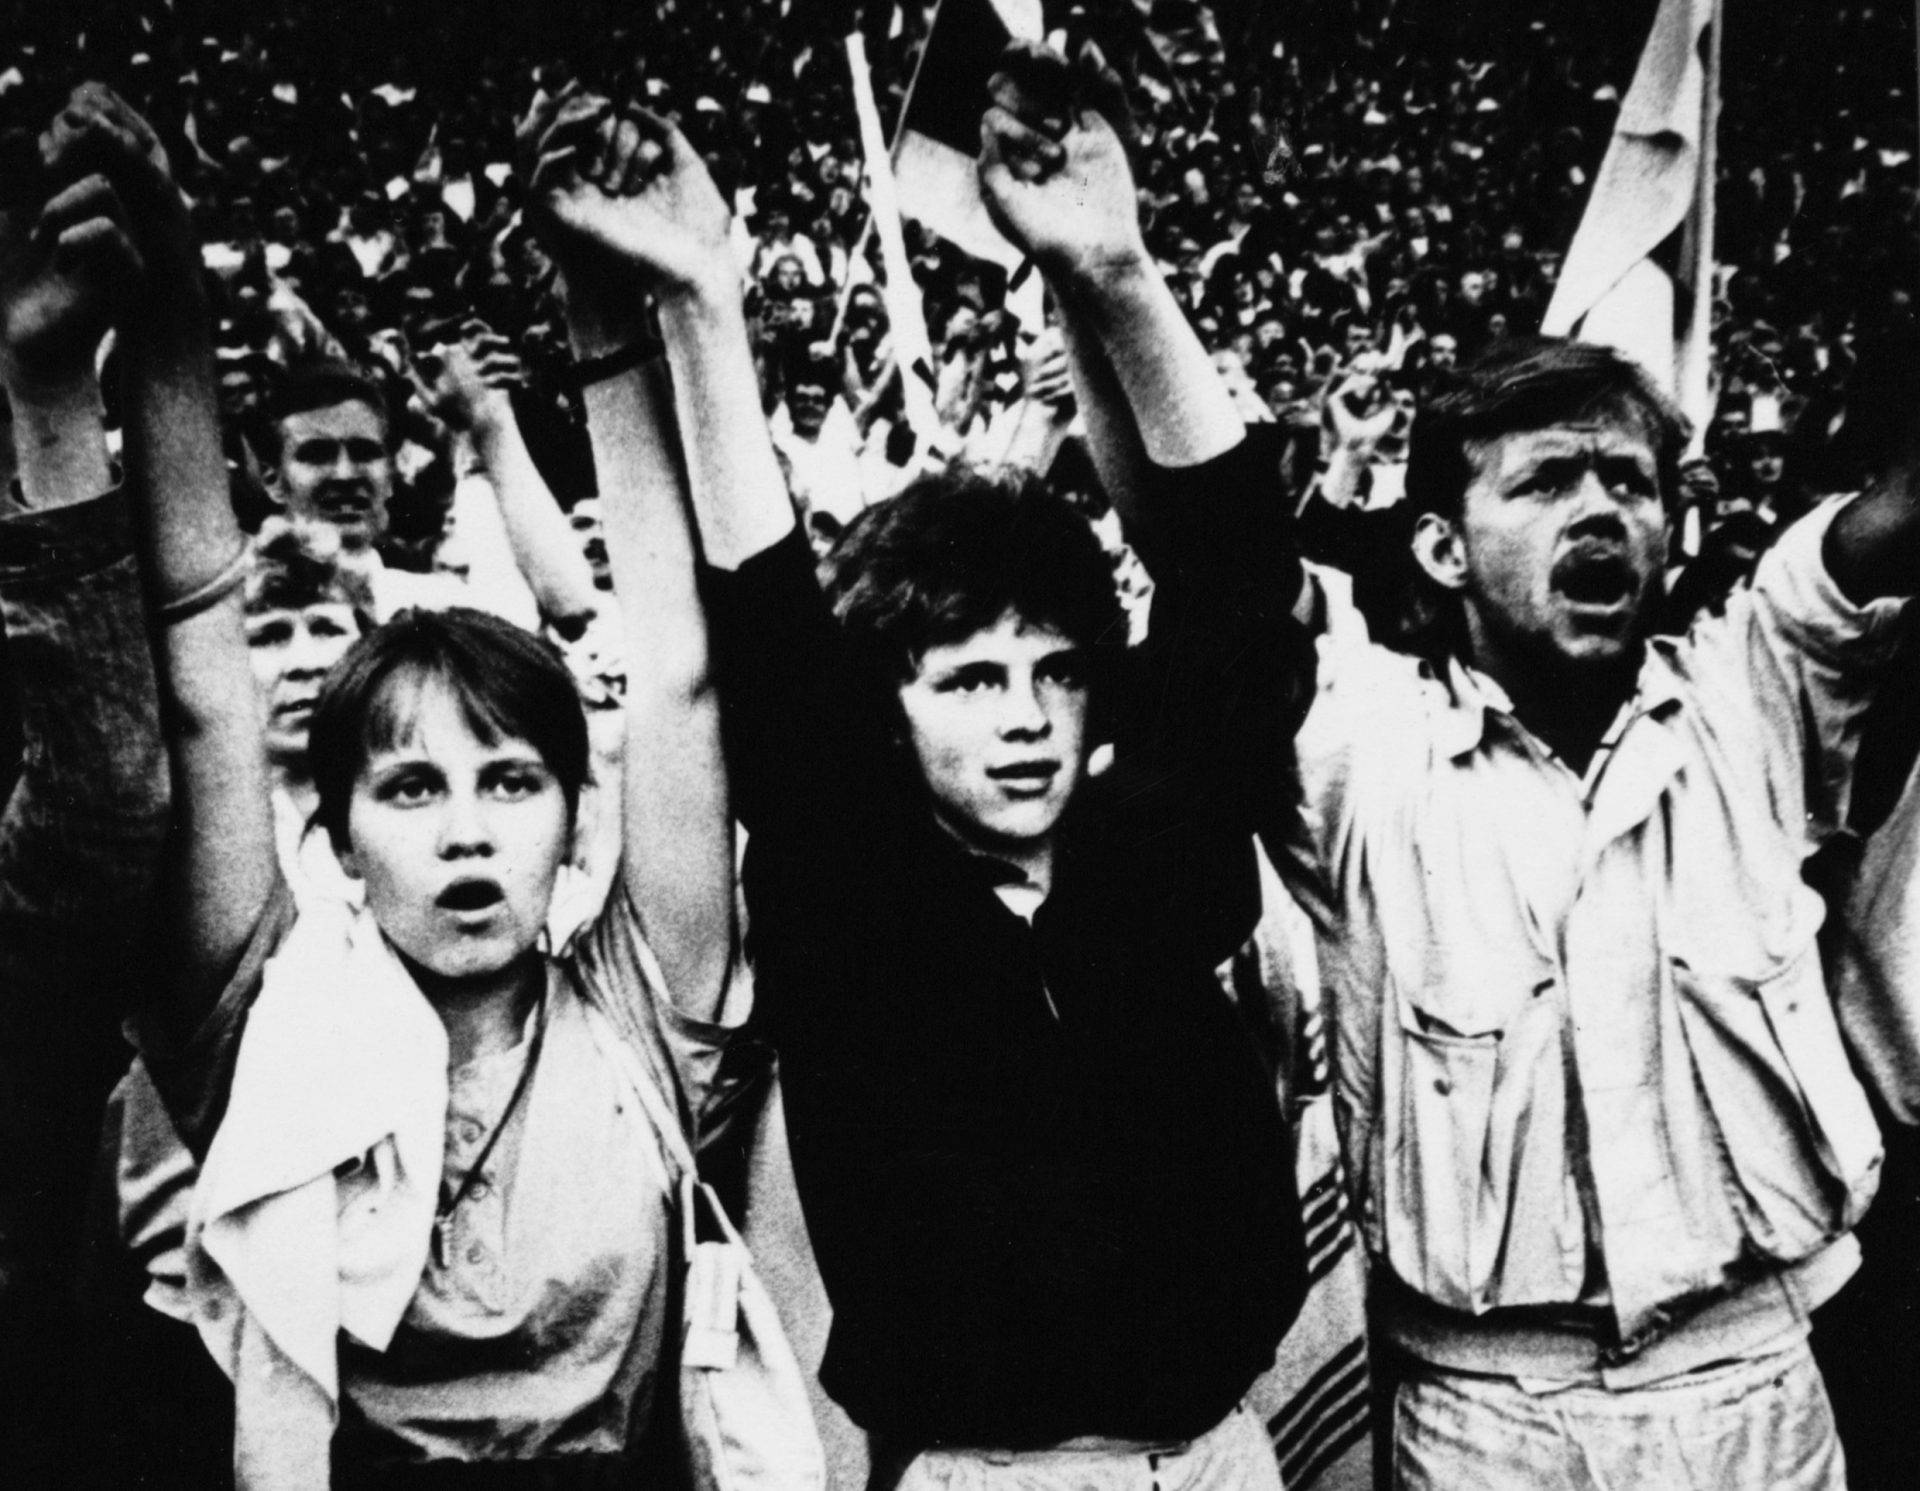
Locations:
(607, 365)
(228, 579)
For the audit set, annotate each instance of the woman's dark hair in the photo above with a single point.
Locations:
(956, 552)
(507, 682)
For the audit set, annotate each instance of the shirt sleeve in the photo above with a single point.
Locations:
(83, 823)
(704, 1064)
(806, 735)
(1203, 754)
(1790, 670)
(195, 1078)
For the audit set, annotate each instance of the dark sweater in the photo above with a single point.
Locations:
(1044, 1169)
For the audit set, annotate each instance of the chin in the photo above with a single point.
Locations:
(475, 961)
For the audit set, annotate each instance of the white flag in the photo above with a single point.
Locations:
(1644, 245)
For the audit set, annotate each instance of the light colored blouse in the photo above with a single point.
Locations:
(541, 1333)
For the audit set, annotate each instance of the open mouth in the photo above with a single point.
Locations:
(1603, 580)
(470, 895)
(346, 506)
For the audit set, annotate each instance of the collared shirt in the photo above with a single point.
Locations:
(1585, 1050)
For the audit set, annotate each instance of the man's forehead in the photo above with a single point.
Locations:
(350, 417)
(1615, 434)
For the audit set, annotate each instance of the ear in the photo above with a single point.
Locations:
(1440, 550)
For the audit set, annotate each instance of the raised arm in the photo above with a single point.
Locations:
(472, 394)
(1054, 172)
(624, 218)
(223, 865)
(81, 826)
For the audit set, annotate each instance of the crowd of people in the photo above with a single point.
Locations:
(463, 485)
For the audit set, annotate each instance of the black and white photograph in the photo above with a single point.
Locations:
(959, 745)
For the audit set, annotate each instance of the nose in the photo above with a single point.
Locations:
(1023, 714)
(344, 467)
(466, 831)
(1596, 509)
(306, 658)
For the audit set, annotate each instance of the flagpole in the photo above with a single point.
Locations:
(906, 318)
(1695, 381)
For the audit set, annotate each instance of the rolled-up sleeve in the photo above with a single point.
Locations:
(1810, 660)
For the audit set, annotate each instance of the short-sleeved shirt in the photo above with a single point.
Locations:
(1585, 1051)
(540, 1329)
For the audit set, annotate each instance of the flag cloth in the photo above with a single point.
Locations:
(1631, 277)
(1316, 1399)
(907, 320)
(938, 140)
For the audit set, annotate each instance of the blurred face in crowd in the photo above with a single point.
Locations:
(586, 522)
(1768, 463)
(292, 648)
(1228, 364)
(1561, 547)
(961, 326)
(335, 469)
(807, 407)
(1443, 352)
(350, 310)
(1473, 287)
(786, 276)
(999, 724)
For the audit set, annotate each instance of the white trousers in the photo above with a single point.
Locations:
(1234, 1455)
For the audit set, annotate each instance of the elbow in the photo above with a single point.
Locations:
(675, 672)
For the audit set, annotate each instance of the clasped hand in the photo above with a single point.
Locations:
(624, 200)
(1053, 162)
(94, 217)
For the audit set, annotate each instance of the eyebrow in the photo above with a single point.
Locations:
(959, 672)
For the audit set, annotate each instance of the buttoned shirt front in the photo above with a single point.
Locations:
(1585, 1050)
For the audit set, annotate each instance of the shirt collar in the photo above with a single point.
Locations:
(1468, 699)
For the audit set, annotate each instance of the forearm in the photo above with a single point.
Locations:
(224, 843)
(1182, 409)
(58, 439)
(678, 841)
(739, 494)
(1039, 430)
(544, 546)
(1113, 435)
(477, 542)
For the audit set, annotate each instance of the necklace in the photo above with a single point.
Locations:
(450, 1202)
